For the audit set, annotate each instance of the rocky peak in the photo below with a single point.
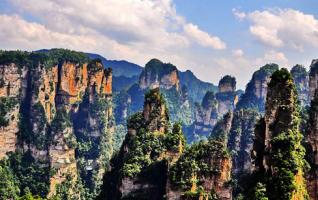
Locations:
(301, 80)
(313, 78)
(206, 116)
(312, 148)
(226, 96)
(151, 145)
(240, 140)
(201, 182)
(279, 153)
(256, 89)
(159, 74)
(227, 84)
(48, 89)
(155, 111)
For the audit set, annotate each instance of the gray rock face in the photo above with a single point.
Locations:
(301, 80)
(313, 78)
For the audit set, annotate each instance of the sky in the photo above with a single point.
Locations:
(210, 38)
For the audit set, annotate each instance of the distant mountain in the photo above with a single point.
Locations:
(120, 67)
(196, 88)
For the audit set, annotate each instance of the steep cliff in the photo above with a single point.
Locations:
(158, 74)
(279, 155)
(226, 95)
(152, 162)
(301, 79)
(313, 78)
(311, 141)
(206, 116)
(42, 94)
(197, 88)
(139, 170)
(166, 77)
(204, 170)
(256, 90)
(240, 140)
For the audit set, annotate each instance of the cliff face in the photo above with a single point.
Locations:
(139, 170)
(158, 74)
(256, 90)
(226, 95)
(152, 163)
(204, 170)
(301, 80)
(11, 80)
(196, 88)
(206, 116)
(166, 77)
(43, 93)
(313, 78)
(312, 149)
(278, 150)
(240, 141)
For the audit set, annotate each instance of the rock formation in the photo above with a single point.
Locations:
(226, 95)
(166, 77)
(151, 163)
(301, 80)
(42, 94)
(313, 78)
(138, 171)
(158, 74)
(256, 90)
(311, 141)
(240, 140)
(279, 155)
(206, 116)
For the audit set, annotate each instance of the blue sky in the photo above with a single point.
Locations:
(211, 38)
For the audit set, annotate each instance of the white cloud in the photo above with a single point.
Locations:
(273, 56)
(129, 22)
(238, 52)
(238, 14)
(283, 28)
(203, 38)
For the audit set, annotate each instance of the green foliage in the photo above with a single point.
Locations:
(6, 105)
(146, 146)
(94, 141)
(48, 58)
(286, 154)
(196, 161)
(175, 138)
(28, 196)
(119, 136)
(60, 124)
(29, 174)
(63, 189)
(8, 185)
(260, 192)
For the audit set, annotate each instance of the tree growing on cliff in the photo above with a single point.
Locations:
(283, 162)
